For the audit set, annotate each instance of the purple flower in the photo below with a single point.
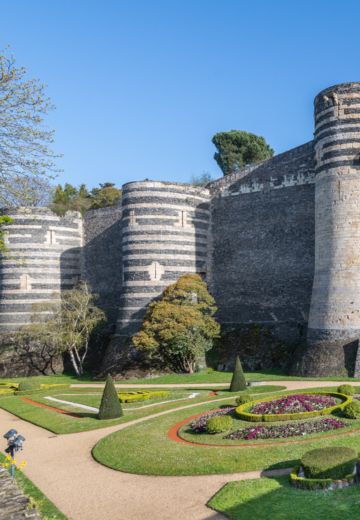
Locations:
(296, 403)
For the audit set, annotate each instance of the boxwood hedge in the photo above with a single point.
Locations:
(329, 463)
(242, 413)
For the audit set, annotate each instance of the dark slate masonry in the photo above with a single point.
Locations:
(278, 243)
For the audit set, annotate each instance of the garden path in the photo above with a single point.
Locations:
(63, 468)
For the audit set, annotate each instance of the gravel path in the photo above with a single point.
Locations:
(63, 468)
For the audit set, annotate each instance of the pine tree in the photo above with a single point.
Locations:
(110, 407)
(238, 381)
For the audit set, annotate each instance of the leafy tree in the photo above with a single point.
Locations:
(4, 220)
(201, 180)
(70, 198)
(238, 381)
(110, 406)
(237, 148)
(106, 195)
(26, 159)
(179, 328)
(65, 328)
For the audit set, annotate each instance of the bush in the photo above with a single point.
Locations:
(219, 424)
(334, 463)
(346, 389)
(30, 384)
(110, 407)
(315, 484)
(352, 410)
(243, 398)
(238, 381)
(133, 397)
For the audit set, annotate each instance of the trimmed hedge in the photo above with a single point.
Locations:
(220, 424)
(315, 484)
(252, 417)
(244, 398)
(132, 397)
(346, 390)
(352, 410)
(238, 381)
(110, 407)
(329, 463)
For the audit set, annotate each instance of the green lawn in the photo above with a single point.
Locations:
(46, 508)
(207, 376)
(146, 449)
(275, 498)
(60, 423)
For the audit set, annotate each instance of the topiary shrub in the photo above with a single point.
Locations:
(346, 389)
(352, 410)
(29, 384)
(334, 463)
(110, 407)
(244, 398)
(238, 381)
(219, 424)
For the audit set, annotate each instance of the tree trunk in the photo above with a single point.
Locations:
(74, 363)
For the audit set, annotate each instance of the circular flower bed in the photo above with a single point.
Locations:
(283, 431)
(293, 406)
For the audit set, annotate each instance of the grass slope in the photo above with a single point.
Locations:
(275, 498)
(45, 507)
(146, 449)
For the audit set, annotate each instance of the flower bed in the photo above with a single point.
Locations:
(294, 404)
(270, 409)
(200, 424)
(283, 431)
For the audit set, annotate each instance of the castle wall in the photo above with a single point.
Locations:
(262, 245)
(43, 259)
(334, 323)
(102, 258)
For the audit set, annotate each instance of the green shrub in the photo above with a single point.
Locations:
(352, 410)
(29, 384)
(243, 398)
(110, 407)
(314, 484)
(238, 381)
(333, 463)
(219, 424)
(133, 397)
(346, 389)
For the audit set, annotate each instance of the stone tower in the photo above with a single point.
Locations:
(164, 235)
(43, 259)
(334, 319)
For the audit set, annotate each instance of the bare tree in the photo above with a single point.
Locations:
(66, 327)
(26, 159)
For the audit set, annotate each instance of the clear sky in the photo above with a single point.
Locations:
(141, 86)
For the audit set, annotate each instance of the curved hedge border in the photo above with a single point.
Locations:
(314, 484)
(253, 417)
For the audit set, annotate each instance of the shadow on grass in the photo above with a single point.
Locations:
(275, 498)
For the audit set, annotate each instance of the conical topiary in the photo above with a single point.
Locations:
(110, 407)
(238, 381)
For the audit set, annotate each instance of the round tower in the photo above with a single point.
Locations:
(334, 320)
(164, 235)
(43, 257)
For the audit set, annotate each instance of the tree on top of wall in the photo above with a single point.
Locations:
(237, 148)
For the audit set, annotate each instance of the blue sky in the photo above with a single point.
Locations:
(141, 86)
